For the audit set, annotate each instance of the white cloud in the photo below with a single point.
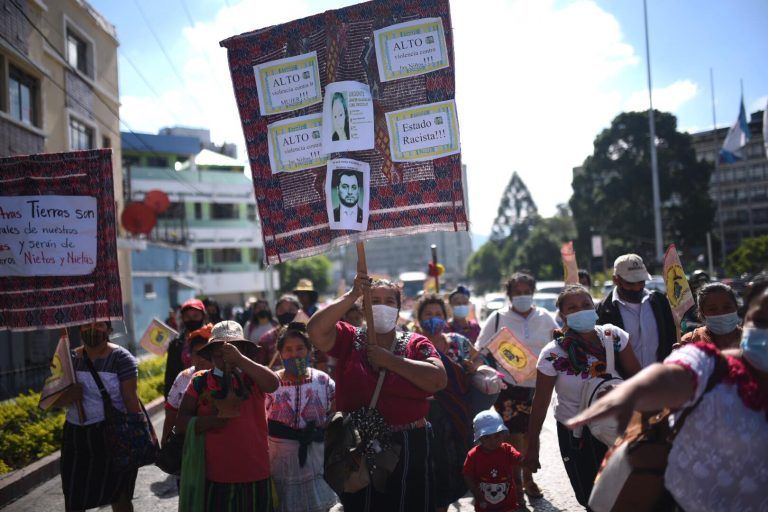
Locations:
(535, 84)
(665, 99)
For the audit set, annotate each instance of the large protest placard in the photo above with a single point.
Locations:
(386, 80)
(58, 253)
(678, 290)
(513, 355)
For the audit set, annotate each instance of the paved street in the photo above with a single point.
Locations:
(156, 491)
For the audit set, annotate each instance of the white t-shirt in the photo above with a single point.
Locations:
(554, 361)
(535, 330)
(717, 462)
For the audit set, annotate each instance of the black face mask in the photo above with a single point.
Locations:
(286, 318)
(263, 314)
(93, 338)
(633, 296)
(193, 325)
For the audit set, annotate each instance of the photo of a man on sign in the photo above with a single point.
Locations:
(347, 195)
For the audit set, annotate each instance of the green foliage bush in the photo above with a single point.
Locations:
(30, 433)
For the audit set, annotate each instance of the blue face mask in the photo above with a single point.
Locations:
(754, 343)
(722, 324)
(433, 325)
(461, 311)
(582, 321)
(296, 366)
(522, 303)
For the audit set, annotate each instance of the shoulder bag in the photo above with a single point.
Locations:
(345, 466)
(631, 476)
(130, 438)
(605, 430)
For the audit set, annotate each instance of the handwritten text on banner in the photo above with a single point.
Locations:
(47, 235)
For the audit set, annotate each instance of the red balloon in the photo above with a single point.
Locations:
(157, 200)
(138, 218)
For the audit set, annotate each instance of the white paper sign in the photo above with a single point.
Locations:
(296, 144)
(410, 49)
(47, 235)
(347, 194)
(347, 117)
(288, 84)
(424, 132)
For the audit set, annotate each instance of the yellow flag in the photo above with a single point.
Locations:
(678, 291)
(513, 355)
(157, 337)
(570, 269)
(62, 374)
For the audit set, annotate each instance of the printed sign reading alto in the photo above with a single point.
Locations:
(47, 235)
(288, 84)
(425, 132)
(296, 144)
(410, 49)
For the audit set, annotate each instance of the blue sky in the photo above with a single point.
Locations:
(536, 79)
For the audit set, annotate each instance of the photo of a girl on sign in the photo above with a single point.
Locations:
(340, 117)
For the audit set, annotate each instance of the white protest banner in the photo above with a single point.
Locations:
(47, 235)
(296, 144)
(410, 49)
(288, 84)
(424, 132)
(347, 192)
(157, 337)
(347, 117)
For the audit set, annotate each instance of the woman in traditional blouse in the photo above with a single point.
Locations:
(717, 462)
(298, 412)
(414, 372)
(87, 476)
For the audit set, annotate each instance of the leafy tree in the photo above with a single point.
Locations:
(484, 268)
(750, 257)
(516, 213)
(540, 253)
(315, 268)
(612, 193)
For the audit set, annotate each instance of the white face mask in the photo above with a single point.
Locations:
(384, 318)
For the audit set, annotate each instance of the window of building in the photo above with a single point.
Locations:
(157, 161)
(149, 290)
(227, 255)
(174, 211)
(77, 52)
(22, 96)
(221, 211)
(80, 135)
(131, 161)
(251, 212)
(198, 211)
(106, 142)
(200, 256)
(254, 255)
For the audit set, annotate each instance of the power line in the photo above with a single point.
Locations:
(85, 107)
(192, 24)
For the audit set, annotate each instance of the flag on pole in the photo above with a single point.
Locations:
(678, 291)
(737, 138)
(570, 269)
(62, 374)
(157, 337)
(513, 355)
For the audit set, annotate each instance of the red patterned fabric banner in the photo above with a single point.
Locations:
(350, 124)
(58, 252)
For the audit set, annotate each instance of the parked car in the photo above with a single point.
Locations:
(493, 302)
(547, 301)
(550, 287)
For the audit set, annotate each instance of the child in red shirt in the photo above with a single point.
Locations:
(489, 470)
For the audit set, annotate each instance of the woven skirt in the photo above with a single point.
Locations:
(87, 477)
(255, 496)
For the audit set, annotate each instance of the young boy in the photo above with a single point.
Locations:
(489, 470)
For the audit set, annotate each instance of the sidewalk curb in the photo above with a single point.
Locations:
(18, 483)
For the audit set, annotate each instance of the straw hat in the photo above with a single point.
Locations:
(227, 331)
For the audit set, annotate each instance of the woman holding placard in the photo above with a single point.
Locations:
(411, 371)
(565, 364)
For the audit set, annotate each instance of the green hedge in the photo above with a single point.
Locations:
(29, 433)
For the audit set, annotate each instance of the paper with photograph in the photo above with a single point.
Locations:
(347, 194)
(410, 49)
(347, 117)
(288, 84)
(424, 132)
(296, 144)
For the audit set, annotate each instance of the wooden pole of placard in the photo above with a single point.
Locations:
(434, 268)
(362, 268)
